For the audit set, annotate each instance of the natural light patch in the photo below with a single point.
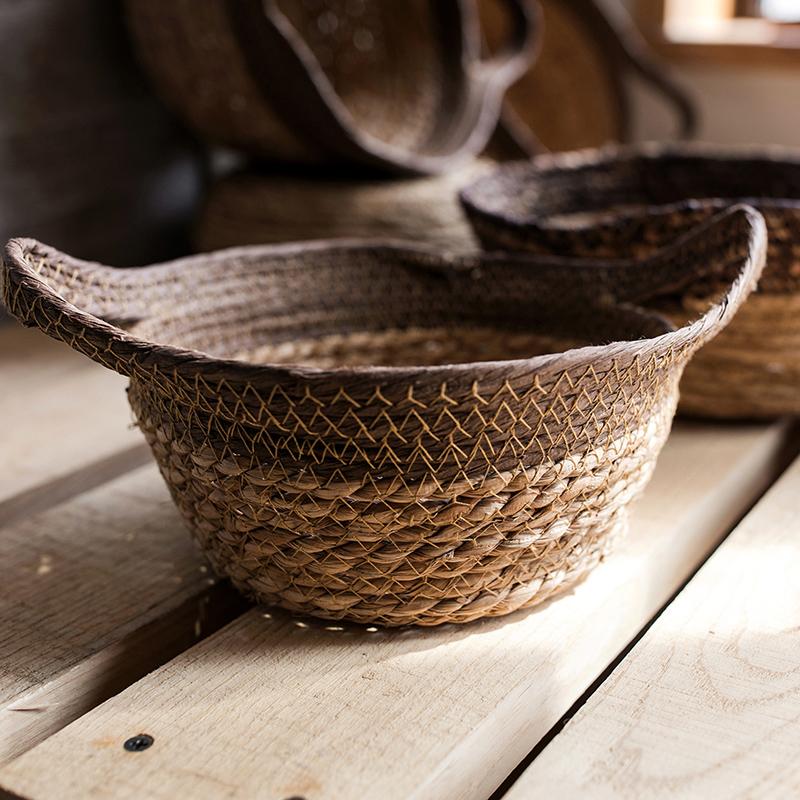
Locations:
(781, 10)
(723, 21)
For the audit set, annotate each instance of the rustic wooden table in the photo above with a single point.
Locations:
(636, 684)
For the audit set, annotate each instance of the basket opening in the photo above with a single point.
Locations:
(631, 206)
(380, 307)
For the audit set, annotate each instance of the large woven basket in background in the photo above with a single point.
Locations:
(579, 90)
(383, 434)
(260, 207)
(399, 86)
(623, 202)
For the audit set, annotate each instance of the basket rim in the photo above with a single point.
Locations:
(198, 363)
(499, 182)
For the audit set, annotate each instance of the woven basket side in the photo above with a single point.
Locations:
(181, 44)
(622, 201)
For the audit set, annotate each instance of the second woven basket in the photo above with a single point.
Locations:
(628, 201)
(386, 435)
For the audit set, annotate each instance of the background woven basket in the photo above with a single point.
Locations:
(395, 85)
(623, 202)
(261, 207)
(578, 91)
(441, 486)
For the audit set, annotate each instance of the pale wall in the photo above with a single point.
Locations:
(759, 104)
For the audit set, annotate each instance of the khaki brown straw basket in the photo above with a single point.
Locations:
(260, 208)
(382, 434)
(627, 202)
(394, 85)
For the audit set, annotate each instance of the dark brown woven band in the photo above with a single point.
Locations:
(295, 84)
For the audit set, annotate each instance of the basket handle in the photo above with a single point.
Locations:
(514, 56)
(293, 82)
(624, 43)
(70, 300)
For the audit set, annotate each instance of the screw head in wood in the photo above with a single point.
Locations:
(138, 743)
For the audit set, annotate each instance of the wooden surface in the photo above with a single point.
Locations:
(96, 592)
(274, 707)
(62, 415)
(708, 703)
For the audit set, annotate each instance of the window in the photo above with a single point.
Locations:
(776, 10)
(761, 31)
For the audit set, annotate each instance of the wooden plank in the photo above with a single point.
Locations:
(95, 594)
(62, 416)
(708, 702)
(275, 707)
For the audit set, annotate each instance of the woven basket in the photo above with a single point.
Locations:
(578, 91)
(262, 208)
(624, 202)
(487, 461)
(399, 86)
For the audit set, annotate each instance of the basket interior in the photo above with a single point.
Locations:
(640, 203)
(646, 181)
(381, 59)
(355, 308)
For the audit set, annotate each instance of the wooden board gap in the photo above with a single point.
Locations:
(782, 460)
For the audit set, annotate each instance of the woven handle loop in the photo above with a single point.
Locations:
(721, 258)
(514, 56)
(728, 255)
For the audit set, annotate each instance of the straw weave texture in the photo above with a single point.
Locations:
(389, 493)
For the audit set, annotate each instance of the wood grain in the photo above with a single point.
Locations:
(273, 707)
(96, 593)
(61, 414)
(708, 702)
